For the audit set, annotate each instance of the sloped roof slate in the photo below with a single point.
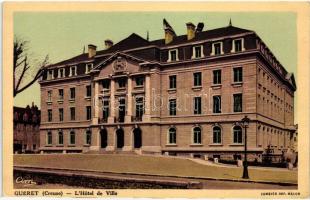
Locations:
(136, 41)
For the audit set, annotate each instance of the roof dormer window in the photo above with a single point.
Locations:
(89, 67)
(197, 52)
(61, 72)
(50, 74)
(72, 71)
(237, 45)
(217, 48)
(173, 55)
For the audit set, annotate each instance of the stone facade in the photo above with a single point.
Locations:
(125, 95)
(26, 129)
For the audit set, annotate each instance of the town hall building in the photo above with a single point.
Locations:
(182, 95)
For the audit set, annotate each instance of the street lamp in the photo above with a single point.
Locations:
(245, 122)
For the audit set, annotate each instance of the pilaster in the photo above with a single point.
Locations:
(112, 102)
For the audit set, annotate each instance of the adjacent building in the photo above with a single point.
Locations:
(26, 129)
(181, 95)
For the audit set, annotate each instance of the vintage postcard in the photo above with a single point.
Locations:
(145, 99)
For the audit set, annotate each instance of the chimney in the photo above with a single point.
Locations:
(199, 27)
(108, 43)
(190, 30)
(91, 50)
(169, 35)
(169, 32)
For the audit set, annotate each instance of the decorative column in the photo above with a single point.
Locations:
(147, 99)
(95, 139)
(96, 103)
(112, 102)
(129, 101)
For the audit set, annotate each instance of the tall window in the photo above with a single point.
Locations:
(172, 106)
(217, 79)
(237, 134)
(197, 135)
(238, 74)
(217, 48)
(60, 138)
(173, 82)
(88, 137)
(88, 112)
(49, 96)
(197, 79)
(122, 83)
(61, 94)
(72, 93)
(121, 109)
(106, 84)
(49, 136)
(105, 109)
(61, 114)
(139, 81)
(49, 115)
(238, 45)
(217, 104)
(72, 113)
(237, 102)
(197, 105)
(72, 137)
(217, 137)
(139, 108)
(172, 137)
(173, 55)
(88, 91)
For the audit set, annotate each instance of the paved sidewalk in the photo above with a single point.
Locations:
(210, 163)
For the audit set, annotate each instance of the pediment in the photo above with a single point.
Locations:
(118, 63)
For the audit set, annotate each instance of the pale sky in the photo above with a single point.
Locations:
(62, 35)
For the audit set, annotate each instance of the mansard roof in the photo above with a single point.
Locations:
(76, 59)
(291, 79)
(131, 42)
(204, 35)
(135, 41)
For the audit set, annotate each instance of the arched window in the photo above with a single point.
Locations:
(49, 138)
(197, 135)
(237, 134)
(72, 137)
(60, 137)
(172, 137)
(217, 136)
(88, 137)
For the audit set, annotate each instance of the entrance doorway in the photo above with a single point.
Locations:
(137, 138)
(119, 138)
(103, 138)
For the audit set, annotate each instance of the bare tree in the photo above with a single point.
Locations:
(26, 70)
